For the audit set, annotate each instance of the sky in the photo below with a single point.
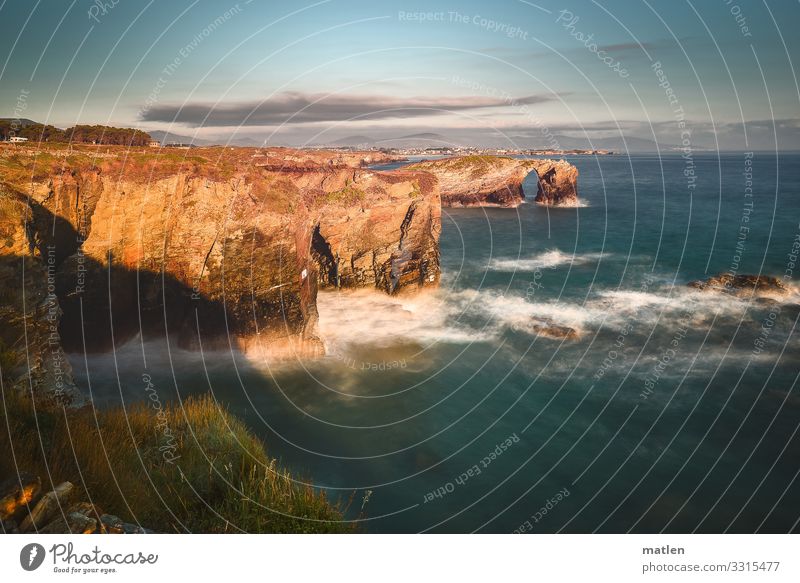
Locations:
(720, 74)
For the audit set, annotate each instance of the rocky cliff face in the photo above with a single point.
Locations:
(31, 356)
(220, 247)
(497, 181)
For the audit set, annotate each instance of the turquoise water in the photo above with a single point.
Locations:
(665, 414)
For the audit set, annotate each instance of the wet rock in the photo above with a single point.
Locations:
(742, 285)
(16, 493)
(546, 327)
(48, 507)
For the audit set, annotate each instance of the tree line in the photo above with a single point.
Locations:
(82, 134)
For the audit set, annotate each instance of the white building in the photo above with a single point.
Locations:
(17, 139)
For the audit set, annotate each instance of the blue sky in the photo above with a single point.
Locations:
(323, 70)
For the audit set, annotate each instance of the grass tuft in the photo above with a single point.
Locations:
(192, 468)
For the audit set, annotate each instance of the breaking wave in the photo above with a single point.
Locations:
(549, 259)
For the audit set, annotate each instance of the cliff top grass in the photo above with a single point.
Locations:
(184, 467)
(476, 164)
(463, 162)
(349, 195)
(24, 164)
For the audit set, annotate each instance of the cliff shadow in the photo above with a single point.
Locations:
(104, 304)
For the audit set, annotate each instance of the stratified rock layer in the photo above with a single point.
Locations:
(219, 247)
(31, 356)
(470, 181)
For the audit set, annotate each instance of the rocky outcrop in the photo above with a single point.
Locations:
(470, 181)
(557, 182)
(31, 355)
(547, 328)
(24, 509)
(391, 244)
(743, 285)
(222, 248)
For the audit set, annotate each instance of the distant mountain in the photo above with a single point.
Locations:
(24, 122)
(353, 141)
(494, 140)
(424, 136)
(170, 138)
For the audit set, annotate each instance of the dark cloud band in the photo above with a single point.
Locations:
(294, 108)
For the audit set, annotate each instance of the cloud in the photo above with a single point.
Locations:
(295, 107)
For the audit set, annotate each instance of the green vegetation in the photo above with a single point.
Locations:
(105, 135)
(474, 160)
(347, 195)
(184, 467)
(477, 164)
(278, 195)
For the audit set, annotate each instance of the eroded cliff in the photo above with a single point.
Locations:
(217, 247)
(469, 181)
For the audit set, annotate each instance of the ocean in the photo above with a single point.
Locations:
(667, 410)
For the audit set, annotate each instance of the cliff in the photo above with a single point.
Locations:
(31, 356)
(497, 181)
(211, 246)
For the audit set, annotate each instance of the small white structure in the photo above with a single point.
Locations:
(17, 139)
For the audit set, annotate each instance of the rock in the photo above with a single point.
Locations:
(239, 240)
(72, 523)
(557, 184)
(742, 285)
(46, 509)
(470, 181)
(110, 524)
(28, 309)
(546, 327)
(391, 245)
(17, 493)
(88, 509)
(9, 526)
(128, 528)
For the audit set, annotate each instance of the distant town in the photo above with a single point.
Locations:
(466, 151)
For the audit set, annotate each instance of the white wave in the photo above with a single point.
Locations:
(368, 318)
(517, 312)
(697, 304)
(578, 204)
(372, 318)
(549, 259)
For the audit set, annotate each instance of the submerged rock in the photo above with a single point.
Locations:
(546, 327)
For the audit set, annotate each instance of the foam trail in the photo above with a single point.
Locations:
(547, 260)
(367, 317)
